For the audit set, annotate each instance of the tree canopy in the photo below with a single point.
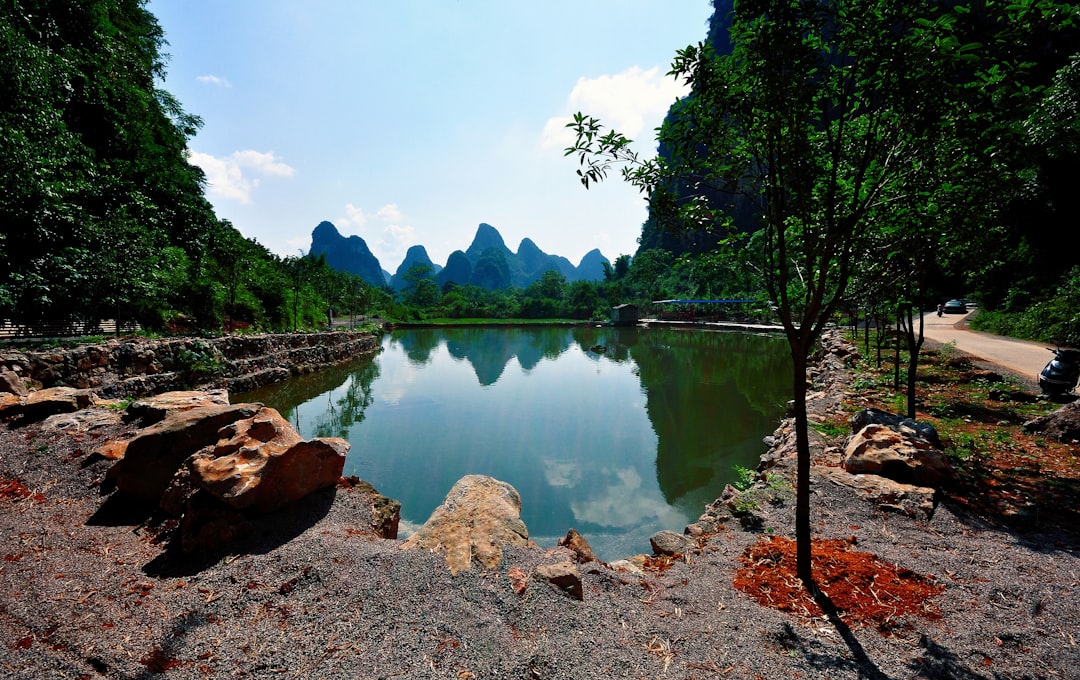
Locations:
(103, 214)
(845, 125)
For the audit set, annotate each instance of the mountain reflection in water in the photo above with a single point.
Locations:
(617, 443)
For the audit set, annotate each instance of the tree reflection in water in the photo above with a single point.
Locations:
(618, 432)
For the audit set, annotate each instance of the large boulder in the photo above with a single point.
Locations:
(881, 450)
(902, 424)
(261, 463)
(1062, 425)
(152, 457)
(41, 404)
(10, 404)
(153, 409)
(907, 499)
(83, 420)
(479, 516)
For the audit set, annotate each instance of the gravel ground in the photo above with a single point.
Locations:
(88, 589)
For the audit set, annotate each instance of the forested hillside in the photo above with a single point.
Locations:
(996, 231)
(102, 214)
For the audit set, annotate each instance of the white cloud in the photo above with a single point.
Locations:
(389, 213)
(389, 242)
(354, 217)
(214, 80)
(226, 176)
(266, 163)
(632, 102)
(618, 500)
(390, 245)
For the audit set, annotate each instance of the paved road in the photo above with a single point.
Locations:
(1023, 358)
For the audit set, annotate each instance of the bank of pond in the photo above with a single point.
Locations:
(617, 432)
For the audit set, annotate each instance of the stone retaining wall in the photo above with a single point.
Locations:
(136, 367)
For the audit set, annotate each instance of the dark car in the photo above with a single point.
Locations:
(955, 307)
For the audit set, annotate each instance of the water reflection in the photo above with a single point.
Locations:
(618, 432)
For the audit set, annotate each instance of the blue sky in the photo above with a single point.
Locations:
(410, 122)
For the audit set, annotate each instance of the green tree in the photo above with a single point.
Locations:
(582, 299)
(421, 290)
(491, 270)
(822, 117)
(92, 159)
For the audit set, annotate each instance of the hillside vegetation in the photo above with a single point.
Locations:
(104, 216)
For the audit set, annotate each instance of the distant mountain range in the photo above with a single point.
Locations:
(487, 262)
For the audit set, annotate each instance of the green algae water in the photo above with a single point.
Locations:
(616, 432)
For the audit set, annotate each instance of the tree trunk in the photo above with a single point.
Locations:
(896, 352)
(802, 483)
(914, 343)
(866, 333)
(878, 340)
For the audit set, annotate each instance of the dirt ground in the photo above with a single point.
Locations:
(89, 587)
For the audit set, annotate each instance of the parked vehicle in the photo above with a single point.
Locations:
(1061, 374)
(955, 307)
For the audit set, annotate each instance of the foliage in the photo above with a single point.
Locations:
(1054, 318)
(744, 478)
(199, 363)
(818, 117)
(838, 123)
(104, 216)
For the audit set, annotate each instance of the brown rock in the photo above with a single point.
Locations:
(83, 420)
(154, 409)
(10, 404)
(880, 450)
(177, 496)
(112, 450)
(519, 580)
(41, 404)
(154, 455)
(10, 383)
(667, 542)
(564, 577)
(1062, 424)
(261, 463)
(479, 516)
(907, 499)
(385, 512)
(583, 552)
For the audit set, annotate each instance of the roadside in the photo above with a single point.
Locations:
(1022, 358)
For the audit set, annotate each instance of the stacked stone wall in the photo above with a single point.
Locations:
(137, 367)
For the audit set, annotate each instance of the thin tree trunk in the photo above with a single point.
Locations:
(878, 340)
(896, 352)
(802, 483)
(866, 333)
(915, 343)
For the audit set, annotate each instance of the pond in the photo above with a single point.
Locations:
(616, 432)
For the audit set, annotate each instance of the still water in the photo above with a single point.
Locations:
(616, 432)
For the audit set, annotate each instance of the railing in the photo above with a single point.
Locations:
(65, 329)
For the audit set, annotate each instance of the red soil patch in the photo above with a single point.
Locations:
(14, 490)
(864, 588)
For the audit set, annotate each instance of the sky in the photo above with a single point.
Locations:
(410, 122)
